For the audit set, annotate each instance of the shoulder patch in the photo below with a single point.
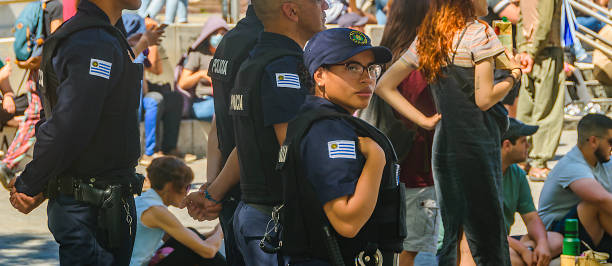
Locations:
(341, 149)
(287, 80)
(100, 68)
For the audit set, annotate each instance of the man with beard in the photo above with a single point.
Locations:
(580, 186)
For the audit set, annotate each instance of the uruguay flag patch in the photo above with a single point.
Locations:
(287, 80)
(100, 68)
(342, 149)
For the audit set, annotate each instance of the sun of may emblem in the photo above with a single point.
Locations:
(94, 64)
(334, 146)
(358, 37)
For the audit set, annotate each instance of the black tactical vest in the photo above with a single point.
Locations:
(116, 143)
(233, 50)
(302, 215)
(257, 144)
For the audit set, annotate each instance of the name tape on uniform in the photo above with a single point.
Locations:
(219, 66)
(100, 68)
(287, 80)
(342, 149)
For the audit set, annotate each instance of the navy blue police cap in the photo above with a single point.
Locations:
(333, 46)
(518, 129)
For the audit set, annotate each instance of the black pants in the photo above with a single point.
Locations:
(605, 245)
(74, 226)
(226, 218)
(169, 113)
(183, 255)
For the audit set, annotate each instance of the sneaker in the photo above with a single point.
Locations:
(6, 175)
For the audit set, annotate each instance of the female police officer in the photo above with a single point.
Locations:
(340, 176)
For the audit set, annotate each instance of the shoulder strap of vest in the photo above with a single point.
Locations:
(50, 81)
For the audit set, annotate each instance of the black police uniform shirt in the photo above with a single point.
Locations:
(330, 153)
(90, 65)
(282, 90)
(232, 51)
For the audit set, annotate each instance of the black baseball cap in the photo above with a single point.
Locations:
(333, 46)
(518, 129)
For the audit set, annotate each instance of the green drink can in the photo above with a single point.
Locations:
(571, 242)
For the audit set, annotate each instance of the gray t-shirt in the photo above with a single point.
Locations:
(197, 61)
(557, 198)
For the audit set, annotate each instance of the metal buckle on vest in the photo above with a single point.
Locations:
(365, 260)
(282, 157)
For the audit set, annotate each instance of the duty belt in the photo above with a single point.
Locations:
(94, 192)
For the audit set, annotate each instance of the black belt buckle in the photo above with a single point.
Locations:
(369, 259)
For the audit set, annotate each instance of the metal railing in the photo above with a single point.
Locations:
(587, 35)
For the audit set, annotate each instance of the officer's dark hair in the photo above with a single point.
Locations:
(267, 9)
(511, 139)
(593, 125)
(169, 169)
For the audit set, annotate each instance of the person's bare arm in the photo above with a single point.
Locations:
(213, 154)
(348, 214)
(589, 190)
(227, 178)
(512, 12)
(537, 232)
(488, 94)
(281, 132)
(156, 65)
(190, 78)
(387, 89)
(54, 25)
(160, 217)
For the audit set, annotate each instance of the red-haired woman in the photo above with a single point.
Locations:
(456, 52)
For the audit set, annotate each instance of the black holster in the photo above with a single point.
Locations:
(109, 218)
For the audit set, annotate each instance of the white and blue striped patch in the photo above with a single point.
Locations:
(100, 68)
(287, 80)
(342, 149)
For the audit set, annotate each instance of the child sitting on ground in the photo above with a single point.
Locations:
(170, 181)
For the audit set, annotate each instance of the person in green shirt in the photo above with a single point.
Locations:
(537, 247)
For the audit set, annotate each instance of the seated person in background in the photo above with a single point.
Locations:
(580, 186)
(193, 80)
(170, 181)
(8, 102)
(353, 21)
(538, 246)
(589, 21)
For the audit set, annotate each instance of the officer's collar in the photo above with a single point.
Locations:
(278, 40)
(313, 102)
(92, 9)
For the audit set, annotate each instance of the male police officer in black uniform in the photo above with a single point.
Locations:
(270, 87)
(88, 147)
(232, 51)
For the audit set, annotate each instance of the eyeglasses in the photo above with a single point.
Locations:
(357, 69)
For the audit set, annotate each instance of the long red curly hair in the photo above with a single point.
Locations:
(443, 20)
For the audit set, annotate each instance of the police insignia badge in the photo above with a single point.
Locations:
(287, 80)
(100, 68)
(342, 149)
(358, 37)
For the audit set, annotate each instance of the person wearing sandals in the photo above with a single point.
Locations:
(159, 230)
(456, 52)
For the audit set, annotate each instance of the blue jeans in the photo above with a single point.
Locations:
(150, 104)
(381, 17)
(591, 23)
(173, 7)
(249, 227)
